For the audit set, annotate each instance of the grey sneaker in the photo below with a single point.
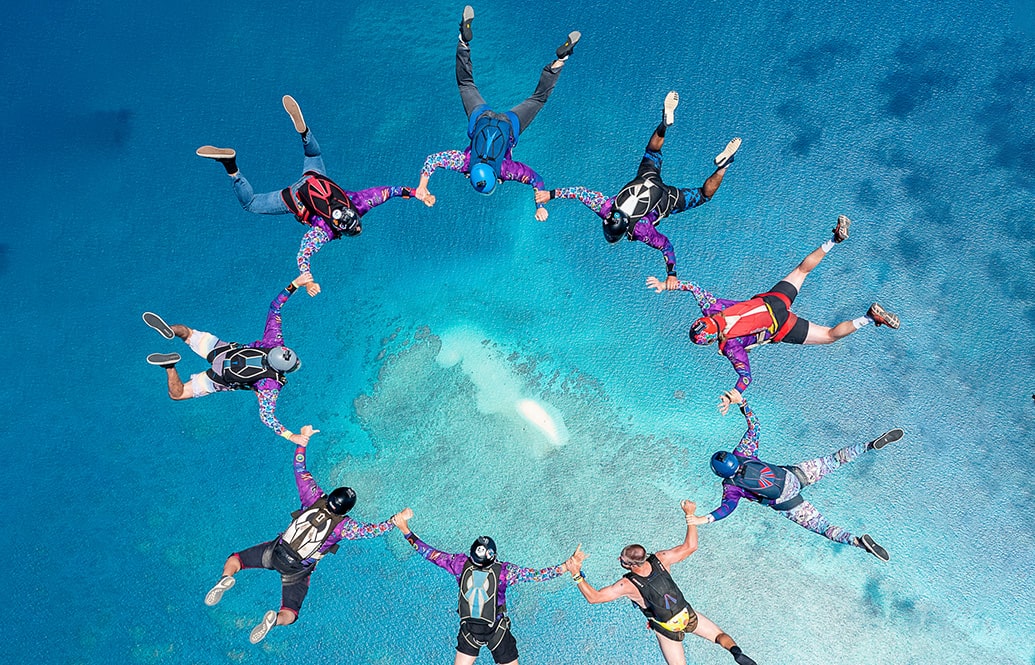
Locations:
(465, 25)
(215, 594)
(886, 438)
(265, 626)
(568, 47)
(841, 228)
(163, 360)
(156, 323)
(725, 158)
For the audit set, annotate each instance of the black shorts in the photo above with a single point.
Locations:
(800, 330)
(294, 577)
(506, 650)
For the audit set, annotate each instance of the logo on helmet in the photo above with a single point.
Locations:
(704, 330)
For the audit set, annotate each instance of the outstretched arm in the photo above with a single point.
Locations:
(516, 171)
(454, 160)
(605, 595)
(454, 563)
(738, 357)
(648, 233)
(705, 300)
(350, 529)
(748, 446)
(312, 242)
(271, 334)
(515, 574)
(595, 201)
(731, 496)
(689, 544)
(367, 199)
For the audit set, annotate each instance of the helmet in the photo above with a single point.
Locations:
(483, 178)
(483, 552)
(725, 464)
(616, 225)
(704, 330)
(282, 359)
(345, 219)
(341, 500)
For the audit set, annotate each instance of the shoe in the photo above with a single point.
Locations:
(164, 360)
(873, 548)
(218, 154)
(264, 627)
(568, 47)
(465, 25)
(158, 325)
(216, 593)
(841, 228)
(886, 438)
(291, 106)
(882, 317)
(725, 158)
(671, 102)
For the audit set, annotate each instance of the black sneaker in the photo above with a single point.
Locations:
(163, 360)
(873, 548)
(886, 438)
(568, 47)
(465, 25)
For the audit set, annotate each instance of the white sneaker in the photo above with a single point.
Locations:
(725, 158)
(671, 102)
(265, 626)
(216, 593)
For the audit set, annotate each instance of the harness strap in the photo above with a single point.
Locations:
(792, 318)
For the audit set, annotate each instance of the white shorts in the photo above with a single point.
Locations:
(202, 343)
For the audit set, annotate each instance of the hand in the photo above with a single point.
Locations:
(302, 438)
(671, 283)
(656, 284)
(312, 288)
(429, 199)
(729, 397)
(402, 517)
(541, 214)
(542, 195)
(574, 563)
(696, 520)
(422, 193)
(688, 506)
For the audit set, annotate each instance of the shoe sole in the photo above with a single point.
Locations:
(260, 632)
(163, 359)
(566, 49)
(156, 323)
(888, 319)
(291, 106)
(874, 549)
(671, 102)
(212, 152)
(726, 156)
(841, 228)
(886, 438)
(216, 593)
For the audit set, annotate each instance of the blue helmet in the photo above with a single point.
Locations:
(725, 464)
(483, 178)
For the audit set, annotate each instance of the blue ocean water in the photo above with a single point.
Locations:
(435, 325)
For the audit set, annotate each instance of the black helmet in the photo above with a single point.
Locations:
(345, 219)
(483, 552)
(616, 225)
(341, 500)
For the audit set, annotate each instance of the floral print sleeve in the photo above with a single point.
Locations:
(705, 300)
(314, 239)
(748, 446)
(454, 160)
(350, 529)
(267, 397)
(595, 201)
(515, 574)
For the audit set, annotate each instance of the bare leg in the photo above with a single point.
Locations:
(464, 659)
(711, 185)
(181, 331)
(232, 566)
(823, 335)
(671, 650)
(798, 275)
(176, 388)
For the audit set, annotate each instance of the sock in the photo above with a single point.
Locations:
(827, 246)
(861, 321)
(660, 131)
(230, 165)
(305, 136)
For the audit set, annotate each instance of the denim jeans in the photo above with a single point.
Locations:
(271, 203)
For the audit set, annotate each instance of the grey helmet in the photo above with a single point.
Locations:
(283, 359)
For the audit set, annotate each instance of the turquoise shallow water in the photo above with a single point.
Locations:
(434, 324)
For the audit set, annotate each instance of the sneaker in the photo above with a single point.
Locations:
(164, 360)
(725, 158)
(265, 626)
(882, 317)
(841, 228)
(568, 47)
(158, 325)
(671, 102)
(873, 548)
(216, 593)
(886, 438)
(291, 106)
(218, 154)
(465, 25)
